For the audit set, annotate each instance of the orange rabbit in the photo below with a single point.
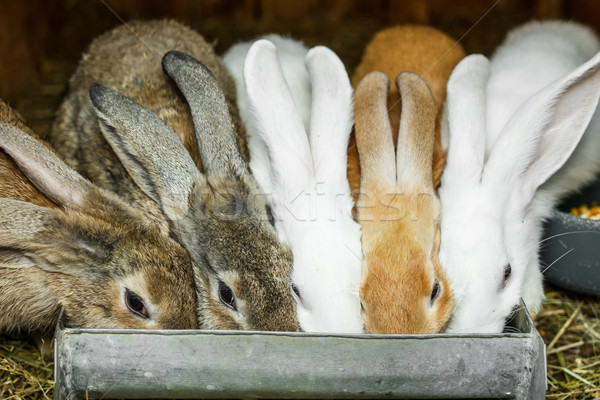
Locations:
(404, 289)
(420, 49)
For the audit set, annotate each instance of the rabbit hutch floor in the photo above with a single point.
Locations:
(43, 44)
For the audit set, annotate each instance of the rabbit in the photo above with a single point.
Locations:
(299, 105)
(420, 49)
(242, 271)
(128, 59)
(291, 54)
(404, 288)
(492, 204)
(67, 243)
(559, 46)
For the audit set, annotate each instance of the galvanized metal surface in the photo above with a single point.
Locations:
(210, 364)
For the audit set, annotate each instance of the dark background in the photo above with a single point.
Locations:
(41, 40)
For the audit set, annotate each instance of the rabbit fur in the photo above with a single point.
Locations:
(404, 288)
(491, 215)
(67, 243)
(242, 271)
(299, 105)
(560, 47)
(424, 50)
(291, 56)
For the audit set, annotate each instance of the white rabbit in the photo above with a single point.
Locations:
(532, 56)
(291, 56)
(310, 196)
(491, 215)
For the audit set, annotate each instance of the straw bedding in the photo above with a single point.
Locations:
(569, 323)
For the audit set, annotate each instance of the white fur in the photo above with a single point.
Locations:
(310, 196)
(531, 57)
(292, 53)
(491, 214)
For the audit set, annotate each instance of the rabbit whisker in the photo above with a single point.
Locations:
(554, 262)
(567, 233)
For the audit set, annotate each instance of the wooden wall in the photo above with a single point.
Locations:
(40, 40)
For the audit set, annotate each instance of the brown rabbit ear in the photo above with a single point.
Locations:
(150, 150)
(373, 132)
(417, 133)
(44, 169)
(33, 235)
(212, 123)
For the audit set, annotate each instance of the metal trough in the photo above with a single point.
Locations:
(134, 364)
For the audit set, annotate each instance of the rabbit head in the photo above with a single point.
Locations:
(404, 289)
(242, 271)
(66, 243)
(490, 227)
(424, 50)
(310, 196)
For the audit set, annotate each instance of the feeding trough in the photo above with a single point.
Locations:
(133, 364)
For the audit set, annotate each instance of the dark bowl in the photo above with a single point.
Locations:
(570, 250)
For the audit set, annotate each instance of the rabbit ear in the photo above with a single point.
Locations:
(150, 150)
(373, 132)
(331, 116)
(212, 123)
(43, 168)
(34, 235)
(465, 103)
(278, 122)
(417, 134)
(544, 131)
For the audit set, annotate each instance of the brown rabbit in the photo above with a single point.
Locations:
(420, 49)
(404, 289)
(66, 243)
(128, 59)
(242, 271)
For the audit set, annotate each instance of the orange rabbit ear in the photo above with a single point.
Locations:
(417, 133)
(373, 133)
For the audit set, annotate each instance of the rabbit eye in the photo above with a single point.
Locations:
(296, 291)
(226, 296)
(135, 304)
(435, 292)
(507, 271)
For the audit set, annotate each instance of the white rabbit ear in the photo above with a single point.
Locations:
(331, 116)
(373, 132)
(465, 103)
(544, 131)
(278, 122)
(150, 150)
(417, 134)
(44, 169)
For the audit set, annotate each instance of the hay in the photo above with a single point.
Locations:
(24, 374)
(570, 327)
(569, 324)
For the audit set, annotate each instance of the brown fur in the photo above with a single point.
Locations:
(420, 49)
(221, 221)
(14, 185)
(128, 59)
(398, 212)
(79, 257)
